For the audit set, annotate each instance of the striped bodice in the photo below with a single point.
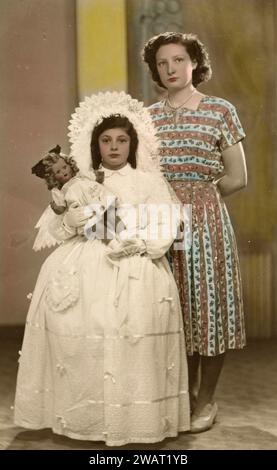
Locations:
(192, 147)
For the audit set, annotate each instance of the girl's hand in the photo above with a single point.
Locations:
(123, 248)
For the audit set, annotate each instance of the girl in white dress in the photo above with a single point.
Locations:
(103, 356)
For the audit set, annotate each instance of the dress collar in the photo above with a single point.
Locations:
(126, 170)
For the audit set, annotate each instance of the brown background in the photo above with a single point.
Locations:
(38, 87)
(38, 94)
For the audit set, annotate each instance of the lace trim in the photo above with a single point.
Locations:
(93, 109)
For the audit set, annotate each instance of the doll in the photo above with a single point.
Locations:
(70, 188)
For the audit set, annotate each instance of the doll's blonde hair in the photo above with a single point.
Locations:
(48, 161)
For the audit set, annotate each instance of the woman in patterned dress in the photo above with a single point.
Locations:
(203, 159)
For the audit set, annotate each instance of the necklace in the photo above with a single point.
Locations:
(175, 109)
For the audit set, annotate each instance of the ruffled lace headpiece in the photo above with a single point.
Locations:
(94, 109)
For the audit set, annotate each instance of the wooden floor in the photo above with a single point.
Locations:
(246, 396)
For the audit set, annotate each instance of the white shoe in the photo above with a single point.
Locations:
(205, 419)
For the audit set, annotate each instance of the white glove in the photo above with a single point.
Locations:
(75, 216)
(131, 247)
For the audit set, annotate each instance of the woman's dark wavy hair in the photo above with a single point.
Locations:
(112, 122)
(195, 49)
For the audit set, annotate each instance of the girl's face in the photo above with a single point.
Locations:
(114, 145)
(174, 66)
(62, 171)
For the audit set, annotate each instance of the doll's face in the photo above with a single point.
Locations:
(114, 145)
(62, 171)
(174, 66)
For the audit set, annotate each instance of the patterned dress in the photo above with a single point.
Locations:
(207, 273)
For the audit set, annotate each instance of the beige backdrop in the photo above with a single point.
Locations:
(241, 37)
(38, 94)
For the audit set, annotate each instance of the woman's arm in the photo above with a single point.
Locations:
(235, 172)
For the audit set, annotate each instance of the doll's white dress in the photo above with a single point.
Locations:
(103, 356)
(81, 190)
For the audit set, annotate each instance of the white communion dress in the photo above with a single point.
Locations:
(103, 356)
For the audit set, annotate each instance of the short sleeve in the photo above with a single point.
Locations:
(230, 126)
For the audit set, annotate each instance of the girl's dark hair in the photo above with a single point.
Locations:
(195, 49)
(111, 122)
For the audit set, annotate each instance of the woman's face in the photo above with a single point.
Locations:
(114, 145)
(62, 171)
(174, 66)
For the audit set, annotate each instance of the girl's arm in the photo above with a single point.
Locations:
(65, 226)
